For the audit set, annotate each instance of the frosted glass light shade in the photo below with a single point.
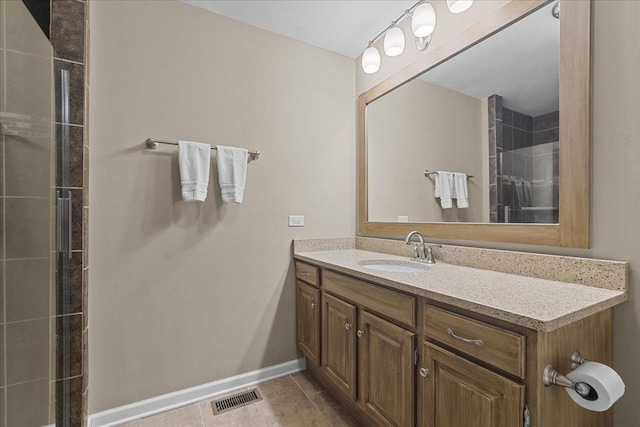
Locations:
(394, 42)
(423, 21)
(371, 60)
(459, 6)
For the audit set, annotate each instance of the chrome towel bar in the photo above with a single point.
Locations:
(428, 173)
(153, 144)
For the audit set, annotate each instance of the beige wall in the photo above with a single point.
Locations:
(183, 294)
(615, 220)
(412, 129)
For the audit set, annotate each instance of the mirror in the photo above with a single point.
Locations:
(470, 142)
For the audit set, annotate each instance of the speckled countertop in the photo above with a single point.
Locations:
(527, 301)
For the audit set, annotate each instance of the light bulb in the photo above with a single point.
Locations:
(394, 42)
(370, 60)
(459, 6)
(423, 21)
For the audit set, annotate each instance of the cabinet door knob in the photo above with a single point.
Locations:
(313, 305)
(360, 333)
(424, 373)
(347, 326)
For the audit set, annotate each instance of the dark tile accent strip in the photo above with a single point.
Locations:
(71, 389)
(76, 156)
(69, 346)
(67, 29)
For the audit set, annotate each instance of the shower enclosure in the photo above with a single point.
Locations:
(35, 249)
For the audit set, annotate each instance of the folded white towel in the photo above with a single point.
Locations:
(232, 172)
(194, 161)
(461, 190)
(445, 188)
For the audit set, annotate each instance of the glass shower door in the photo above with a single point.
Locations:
(28, 301)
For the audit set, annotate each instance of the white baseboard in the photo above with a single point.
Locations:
(166, 402)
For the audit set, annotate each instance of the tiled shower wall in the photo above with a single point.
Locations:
(35, 378)
(524, 148)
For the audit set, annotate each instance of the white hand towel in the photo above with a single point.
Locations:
(194, 160)
(461, 190)
(232, 172)
(447, 189)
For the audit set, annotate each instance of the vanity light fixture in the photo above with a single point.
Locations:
(394, 41)
(371, 60)
(459, 6)
(423, 22)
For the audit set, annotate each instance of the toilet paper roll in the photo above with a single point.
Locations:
(603, 379)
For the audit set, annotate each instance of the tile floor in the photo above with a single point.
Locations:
(296, 400)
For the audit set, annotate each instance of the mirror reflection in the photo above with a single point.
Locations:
(474, 139)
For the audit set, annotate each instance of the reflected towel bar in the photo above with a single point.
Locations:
(427, 173)
(153, 144)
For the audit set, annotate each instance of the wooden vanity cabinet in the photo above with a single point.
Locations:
(382, 382)
(470, 370)
(386, 371)
(308, 321)
(457, 392)
(339, 344)
(308, 311)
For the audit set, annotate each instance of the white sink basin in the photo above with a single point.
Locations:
(394, 266)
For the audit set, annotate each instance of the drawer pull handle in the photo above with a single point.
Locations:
(304, 273)
(347, 326)
(360, 333)
(479, 343)
(313, 305)
(424, 373)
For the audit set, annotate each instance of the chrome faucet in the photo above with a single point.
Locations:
(419, 250)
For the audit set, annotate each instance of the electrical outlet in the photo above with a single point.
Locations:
(296, 220)
(403, 218)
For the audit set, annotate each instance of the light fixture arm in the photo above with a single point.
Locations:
(395, 23)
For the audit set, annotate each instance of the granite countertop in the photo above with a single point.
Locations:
(534, 303)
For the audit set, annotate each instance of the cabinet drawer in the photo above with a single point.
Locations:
(308, 273)
(397, 306)
(503, 349)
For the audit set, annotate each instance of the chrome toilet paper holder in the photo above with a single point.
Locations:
(550, 376)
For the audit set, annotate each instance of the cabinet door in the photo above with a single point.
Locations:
(338, 343)
(308, 321)
(457, 392)
(386, 371)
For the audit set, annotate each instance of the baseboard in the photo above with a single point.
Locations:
(166, 402)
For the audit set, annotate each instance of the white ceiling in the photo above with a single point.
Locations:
(340, 26)
(520, 63)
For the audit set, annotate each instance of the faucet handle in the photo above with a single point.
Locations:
(429, 254)
(416, 254)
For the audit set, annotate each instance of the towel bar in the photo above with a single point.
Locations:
(153, 144)
(427, 173)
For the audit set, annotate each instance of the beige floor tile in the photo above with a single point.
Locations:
(227, 418)
(307, 383)
(255, 421)
(333, 410)
(188, 416)
(296, 420)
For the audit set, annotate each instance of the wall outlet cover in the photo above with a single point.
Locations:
(296, 220)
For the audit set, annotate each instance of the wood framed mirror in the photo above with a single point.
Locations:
(568, 225)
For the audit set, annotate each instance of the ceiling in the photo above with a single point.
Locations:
(340, 26)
